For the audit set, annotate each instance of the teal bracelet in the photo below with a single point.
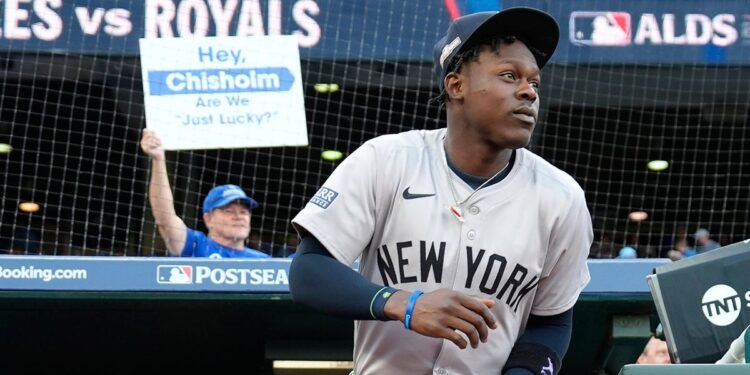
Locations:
(410, 308)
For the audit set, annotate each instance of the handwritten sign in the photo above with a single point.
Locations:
(224, 92)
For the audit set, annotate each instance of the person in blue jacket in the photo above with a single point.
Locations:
(226, 213)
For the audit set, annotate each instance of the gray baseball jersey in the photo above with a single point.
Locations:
(522, 241)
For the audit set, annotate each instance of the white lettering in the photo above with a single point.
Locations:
(274, 17)
(725, 33)
(201, 273)
(118, 22)
(241, 276)
(194, 18)
(648, 29)
(301, 13)
(268, 276)
(255, 277)
(159, 16)
(251, 19)
(222, 15)
(89, 22)
(52, 25)
(185, 16)
(281, 278)
(218, 276)
(232, 277)
(13, 15)
(178, 81)
(44, 274)
(700, 30)
(668, 31)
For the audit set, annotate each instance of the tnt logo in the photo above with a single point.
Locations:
(174, 274)
(600, 29)
(721, 305)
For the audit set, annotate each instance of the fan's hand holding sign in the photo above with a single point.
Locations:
(224, 92)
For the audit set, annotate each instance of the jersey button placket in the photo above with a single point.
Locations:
(471, 234)
(474, 210)
(440, 371)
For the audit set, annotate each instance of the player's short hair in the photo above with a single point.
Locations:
(471, 54)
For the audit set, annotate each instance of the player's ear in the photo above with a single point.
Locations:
(453, 83)
(207, 220)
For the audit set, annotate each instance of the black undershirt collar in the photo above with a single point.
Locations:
(476, 181)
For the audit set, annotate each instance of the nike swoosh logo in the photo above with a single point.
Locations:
(408, 195)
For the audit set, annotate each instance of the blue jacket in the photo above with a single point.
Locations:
(198, 244)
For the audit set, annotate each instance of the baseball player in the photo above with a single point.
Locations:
(472, 249)
(226, 212)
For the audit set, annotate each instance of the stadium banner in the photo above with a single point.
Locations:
(224, 92)
(592, 31)
(85, 273)
(74, 273)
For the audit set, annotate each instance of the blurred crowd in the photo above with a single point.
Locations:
(678, 246)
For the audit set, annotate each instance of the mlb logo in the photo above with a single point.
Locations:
(600, 29)
(174, 274)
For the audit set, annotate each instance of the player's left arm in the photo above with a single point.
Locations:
(542, 345)
(545, 341)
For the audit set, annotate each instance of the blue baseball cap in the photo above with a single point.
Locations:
(535, 28)
(223, 195)
(701, 232)
(627, 252)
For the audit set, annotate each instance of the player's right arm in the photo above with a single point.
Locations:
(443, 313)
(171, 228)
(320, 281)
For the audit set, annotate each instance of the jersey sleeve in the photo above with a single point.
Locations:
(566, 272)
(191, 243)
(341, 215)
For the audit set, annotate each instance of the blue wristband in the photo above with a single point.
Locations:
(410, 308)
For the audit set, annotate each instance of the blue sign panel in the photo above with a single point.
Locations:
(73, 273)
(592, 31)
(214, 81)
(143, 274)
